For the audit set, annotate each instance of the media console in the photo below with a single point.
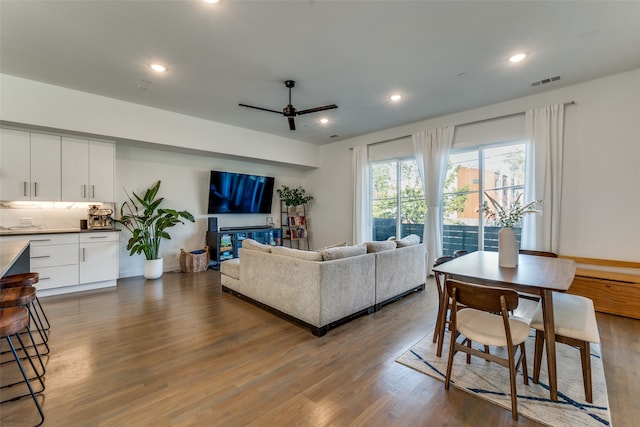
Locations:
(224, 243)
(248, 227)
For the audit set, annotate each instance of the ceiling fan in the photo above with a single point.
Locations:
(289, 111)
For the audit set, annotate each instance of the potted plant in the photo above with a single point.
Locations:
(508, 217)
(148, 223)
(293, 196)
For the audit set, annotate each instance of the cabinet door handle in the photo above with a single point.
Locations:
(98, 237)
(93, 191)
(83, 255)
(35, 189)
(84, 191)
(39, 240)
(24, 189)
(41, 256)
(44, 278)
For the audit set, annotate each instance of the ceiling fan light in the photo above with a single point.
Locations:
(158, 68)
(324, 120)
(517, 57)
(396, 97)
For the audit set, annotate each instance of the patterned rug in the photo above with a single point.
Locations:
(490, 381)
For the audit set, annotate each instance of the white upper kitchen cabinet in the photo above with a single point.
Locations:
(87, 170)
(30, 166)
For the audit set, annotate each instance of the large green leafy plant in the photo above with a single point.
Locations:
(147, 222)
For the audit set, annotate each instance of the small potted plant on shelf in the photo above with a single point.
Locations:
(147, 222)
(293, 196)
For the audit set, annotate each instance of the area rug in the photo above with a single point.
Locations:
(490, 381)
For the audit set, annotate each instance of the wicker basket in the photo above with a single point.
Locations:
(192, 262)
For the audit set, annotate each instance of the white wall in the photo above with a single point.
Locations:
(185, 182)
(601, 199)
(38, 104)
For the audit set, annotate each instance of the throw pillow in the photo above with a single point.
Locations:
(386, 245)
(410, 240)
(296, 253)
(337, 245)
(344, 252)
(255, 246)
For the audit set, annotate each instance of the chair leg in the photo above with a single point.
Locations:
(468, 355)
(523, 359)
(512, 382)
(585, 355)
(537, 356)
(452, 344)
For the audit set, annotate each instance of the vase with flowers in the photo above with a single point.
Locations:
(508, 217)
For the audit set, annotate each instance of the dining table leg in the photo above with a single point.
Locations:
(550, 341)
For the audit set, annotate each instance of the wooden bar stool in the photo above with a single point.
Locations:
(27, 279)
(12, 321)
(24, 296)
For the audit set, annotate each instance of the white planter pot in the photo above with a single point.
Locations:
(153, 268)
(507, 248)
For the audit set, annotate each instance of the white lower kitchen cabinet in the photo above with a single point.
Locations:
(72, 262)
(98, 257)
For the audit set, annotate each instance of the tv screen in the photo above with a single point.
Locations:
(231, 192)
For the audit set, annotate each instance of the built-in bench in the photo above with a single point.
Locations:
(614, 286)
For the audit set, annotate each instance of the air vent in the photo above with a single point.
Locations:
(545, 81)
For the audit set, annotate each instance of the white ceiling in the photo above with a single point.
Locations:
(443, 56)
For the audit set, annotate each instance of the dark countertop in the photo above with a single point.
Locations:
(32, 231)
(10, 252)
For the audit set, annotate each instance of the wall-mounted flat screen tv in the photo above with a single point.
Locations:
(231, 192)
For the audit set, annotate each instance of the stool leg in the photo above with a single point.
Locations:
(25, 348)
(41, 332)
(26, 380)
(46, 319)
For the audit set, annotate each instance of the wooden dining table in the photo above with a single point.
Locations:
(535, 275)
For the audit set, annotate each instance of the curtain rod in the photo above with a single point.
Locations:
(466, 124)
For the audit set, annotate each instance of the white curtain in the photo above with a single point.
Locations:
(360, 173)
(543, 177)
(432, 153)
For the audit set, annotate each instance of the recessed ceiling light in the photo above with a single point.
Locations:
(324, 120)
(212, 1)
(518, 57)
(395, 97)
(157, 67)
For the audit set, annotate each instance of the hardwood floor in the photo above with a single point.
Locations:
(179, 352)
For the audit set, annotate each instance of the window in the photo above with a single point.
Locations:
(397, 199)
(495, 169)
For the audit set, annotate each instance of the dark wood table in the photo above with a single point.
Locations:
(534, 275)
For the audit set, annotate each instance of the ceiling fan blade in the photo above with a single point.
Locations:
(292, 124)
(314, 110)
(260, 108)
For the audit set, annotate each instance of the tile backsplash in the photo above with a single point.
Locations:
(45, 215)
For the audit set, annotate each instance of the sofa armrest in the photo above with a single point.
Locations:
(399, 270)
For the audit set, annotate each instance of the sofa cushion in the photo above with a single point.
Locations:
(231, 268)
(410, 240)
(344, 252)
(255, 246)
(386, 245)
(297, 253)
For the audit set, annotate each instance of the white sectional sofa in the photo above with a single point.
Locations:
(323, 289)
